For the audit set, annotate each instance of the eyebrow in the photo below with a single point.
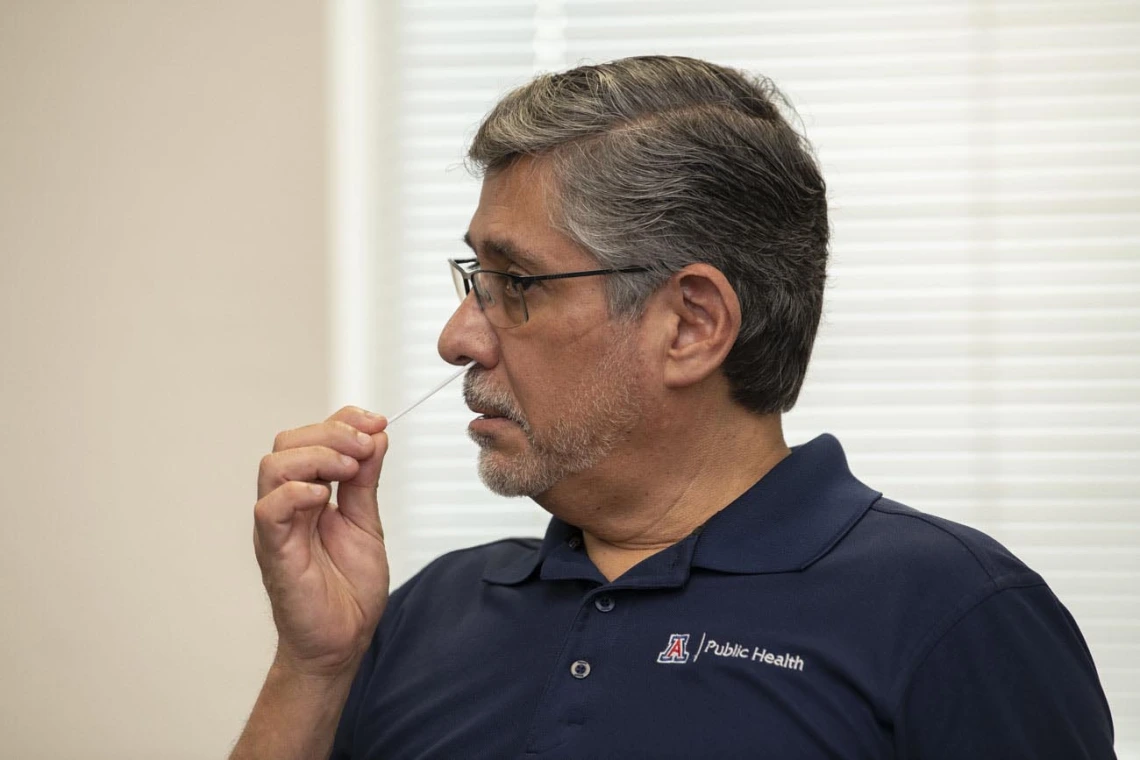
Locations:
(505, 250)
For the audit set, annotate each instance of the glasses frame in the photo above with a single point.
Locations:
(524, 281)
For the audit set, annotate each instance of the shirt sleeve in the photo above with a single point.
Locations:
(1011, 678)
(346, 727)
(345, 739)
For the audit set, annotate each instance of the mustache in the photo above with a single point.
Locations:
(478, 392)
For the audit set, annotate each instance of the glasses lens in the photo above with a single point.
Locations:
(501, 298)
(459, 281)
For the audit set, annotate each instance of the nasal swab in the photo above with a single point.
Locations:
(432, 392)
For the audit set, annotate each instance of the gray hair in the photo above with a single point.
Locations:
(663, 161)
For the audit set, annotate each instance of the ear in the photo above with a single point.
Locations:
(703, 322)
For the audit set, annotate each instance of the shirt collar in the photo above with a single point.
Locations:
(791, 517)
(788, 520)
(558, 534)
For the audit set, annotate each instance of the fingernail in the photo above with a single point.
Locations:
(362, 439)
(372, 415)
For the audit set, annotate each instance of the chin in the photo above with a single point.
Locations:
(519, 475)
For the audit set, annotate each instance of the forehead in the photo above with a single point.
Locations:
(513, 221)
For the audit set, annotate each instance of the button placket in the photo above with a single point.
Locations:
(566, 702)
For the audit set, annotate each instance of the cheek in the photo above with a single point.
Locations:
(550, 376)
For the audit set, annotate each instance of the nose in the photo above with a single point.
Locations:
(469, 336)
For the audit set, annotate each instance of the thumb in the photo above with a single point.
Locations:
(356, 498)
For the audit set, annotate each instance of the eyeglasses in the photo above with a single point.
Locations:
(500, 294)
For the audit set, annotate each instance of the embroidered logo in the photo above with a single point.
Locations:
(676, 651)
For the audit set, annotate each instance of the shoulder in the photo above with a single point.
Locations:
(484, 558)
(461, 569)
(912, 577)
(450, 583)
(939, 553)
(938, 569)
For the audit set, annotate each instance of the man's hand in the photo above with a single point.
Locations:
(324, 564)
(326, 571)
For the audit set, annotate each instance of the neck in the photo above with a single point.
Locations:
(665, 482)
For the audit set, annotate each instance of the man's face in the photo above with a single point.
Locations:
(563, 388)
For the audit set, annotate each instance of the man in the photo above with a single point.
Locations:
(648, 264)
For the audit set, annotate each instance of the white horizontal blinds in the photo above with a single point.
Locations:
(458, 58)
(980, 353)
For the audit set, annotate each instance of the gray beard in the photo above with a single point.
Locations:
(598, 415)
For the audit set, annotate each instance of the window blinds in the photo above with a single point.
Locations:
(979, 356)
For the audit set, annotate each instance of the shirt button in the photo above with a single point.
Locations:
(580, 669)
(574, 542)
(604, 603)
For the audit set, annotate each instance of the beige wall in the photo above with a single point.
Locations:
(163, 286)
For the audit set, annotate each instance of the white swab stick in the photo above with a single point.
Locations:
(432, 392)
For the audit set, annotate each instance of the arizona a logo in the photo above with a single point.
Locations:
(676, 651)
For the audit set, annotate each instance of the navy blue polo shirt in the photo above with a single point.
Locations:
(810, 618)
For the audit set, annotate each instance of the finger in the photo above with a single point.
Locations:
(276, 515)
(357, 497)
(361, 419)
(338, 434)
(312, 463)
